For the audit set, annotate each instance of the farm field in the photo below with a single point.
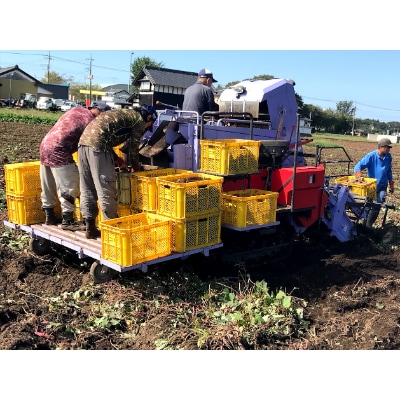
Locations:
(350, 292)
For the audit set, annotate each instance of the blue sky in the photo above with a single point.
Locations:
(323, 77)
(334, 52)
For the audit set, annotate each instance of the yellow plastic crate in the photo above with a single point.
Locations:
(193, 233)
(135, 239)
(144, 187)
(124, 187)
(23, 179)
(189, 195)
(27, 210)
(249, 207)
(123, 210)
(77, 212)
(362, 186)
(229, 156)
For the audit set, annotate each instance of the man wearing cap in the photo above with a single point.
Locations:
(199, 97)
(379, 166)
(59, 174)
(97, 159)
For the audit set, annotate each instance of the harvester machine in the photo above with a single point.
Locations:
(263, 111)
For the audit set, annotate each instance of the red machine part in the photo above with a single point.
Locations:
(309, 198)
(257, 181)
(309, 193)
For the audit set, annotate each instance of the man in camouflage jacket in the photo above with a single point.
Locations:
(97, 159)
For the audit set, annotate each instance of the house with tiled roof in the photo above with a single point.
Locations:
(116, 95)
(14, 82)
(157, 84)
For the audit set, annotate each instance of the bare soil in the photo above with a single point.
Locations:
(352, 289)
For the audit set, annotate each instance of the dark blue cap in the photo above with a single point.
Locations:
(101, 105)
(146, 110)
(206, 73)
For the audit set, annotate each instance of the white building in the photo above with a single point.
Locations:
(305, 126)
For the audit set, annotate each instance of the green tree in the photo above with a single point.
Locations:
(229, 84)
(345, 111)
(264, 76)
(137, 65)
(345, 108)
(299, 101)
(317, 116)
(56, 79)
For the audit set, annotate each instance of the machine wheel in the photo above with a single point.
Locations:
(100, 273)
(39, 246)
(389, 234)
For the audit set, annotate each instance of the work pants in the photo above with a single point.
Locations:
(61, 182)
(97, 183)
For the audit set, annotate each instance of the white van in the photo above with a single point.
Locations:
(44, 103)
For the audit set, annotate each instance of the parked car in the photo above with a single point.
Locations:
(68, 105)
(44, 103)
(57, 103)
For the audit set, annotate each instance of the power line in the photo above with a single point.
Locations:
(64, 59)
(379, 108)
(313, 98)
(366, 105)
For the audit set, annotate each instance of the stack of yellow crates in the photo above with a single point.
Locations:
(23, 189)
(144, 193)
(193, 203)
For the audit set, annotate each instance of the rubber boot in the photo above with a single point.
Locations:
(372, 215)
(91, 230)
(69, 224)
(50, 216)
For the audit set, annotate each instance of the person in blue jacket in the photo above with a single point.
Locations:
(379, 166)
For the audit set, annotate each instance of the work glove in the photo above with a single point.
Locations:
(137, 168)
(391, 187)
(121, 164)
(358, 174)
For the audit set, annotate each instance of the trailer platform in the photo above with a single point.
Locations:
(101, 270)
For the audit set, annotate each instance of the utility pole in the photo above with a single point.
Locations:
(90, 77)
(130, 71)
(9, 97)
(48, 68)
(354, 115)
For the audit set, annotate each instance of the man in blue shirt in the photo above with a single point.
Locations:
(379, 166)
